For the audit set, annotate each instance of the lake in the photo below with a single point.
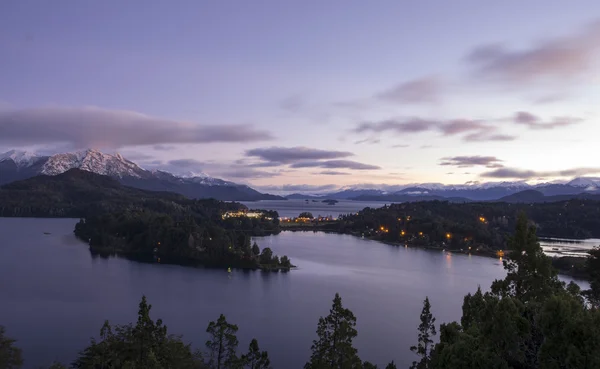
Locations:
(292, 208)
(56, 295)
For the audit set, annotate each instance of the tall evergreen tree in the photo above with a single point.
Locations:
(10, 356)
(426, 333)
(530, 274)
(222, 344)
(333, 349)
(256, 359)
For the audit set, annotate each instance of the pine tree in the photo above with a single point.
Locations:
(530, 274)
(10, 356)
(256, 359)
(148, 336)
(222, 344)
(426, 332)
(333, 349)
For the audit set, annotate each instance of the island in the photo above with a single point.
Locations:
(330, 201)
(160, 227)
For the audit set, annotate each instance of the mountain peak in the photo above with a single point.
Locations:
(20, 158)
(92, 161)
(585, 182)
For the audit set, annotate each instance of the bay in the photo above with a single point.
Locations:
(54, 295)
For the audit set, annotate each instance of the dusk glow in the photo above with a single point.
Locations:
(309, 96)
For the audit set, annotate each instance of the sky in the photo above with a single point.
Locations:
(309, 95)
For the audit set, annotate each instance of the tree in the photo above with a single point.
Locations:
(593, 269)
(306, 214)
(333, 348)
(148, 335)
(222, 344)
(255, 249)
(426, 332)
(256, 359)
(530, 274)
(266, 256)
(285, 262)
(10, 356)
(391, 365)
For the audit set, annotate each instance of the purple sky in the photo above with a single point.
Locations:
(312, 93)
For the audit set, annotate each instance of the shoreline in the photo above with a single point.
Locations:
(557, 262)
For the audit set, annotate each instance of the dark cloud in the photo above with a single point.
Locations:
(186, 163)
(488, 136)
(560, 59)
(335, 164)
(472, 161)
(398, 126)
(458, 126)
(286, 155)
(535, 122)
(103, 128)
(531, 174)
(423, 90)
(371, 141)
(481, 131)
(333, 173)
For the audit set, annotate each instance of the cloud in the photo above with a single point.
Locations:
(399, 126)
(487, 136)
(472, 161)
(535, 122)
(531, 174)
(458, 126)
(371, 141)
(333, 173)
(399, 146)
(427, 147)
(104, 128)
(299, 188)
(335, 164)
(286, 155)
(186, 163)
(163, 147)
(248, 173)
(481, 131)
(559, 59)
(422, 90)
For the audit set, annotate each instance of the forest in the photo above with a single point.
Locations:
(529, 319)
(476, 225)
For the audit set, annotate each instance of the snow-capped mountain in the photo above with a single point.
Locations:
(18, 165)
(585, 182)
(93, 161)
(22, 159)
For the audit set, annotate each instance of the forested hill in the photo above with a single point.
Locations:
(77, 193)
(459, 226)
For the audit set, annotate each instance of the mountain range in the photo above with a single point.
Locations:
(492, 191)
(18, 165)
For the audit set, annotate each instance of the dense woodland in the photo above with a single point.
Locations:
(528, 320)
(458, 226)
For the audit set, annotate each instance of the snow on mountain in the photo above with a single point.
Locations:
(191, 174)
(585, 182)
(22, 159)
(93, 161)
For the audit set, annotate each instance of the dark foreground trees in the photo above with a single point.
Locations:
(10, 356)
(528, 320)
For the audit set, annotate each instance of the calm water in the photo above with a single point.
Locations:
(557, 247)
(55, 295)
(292, 208)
